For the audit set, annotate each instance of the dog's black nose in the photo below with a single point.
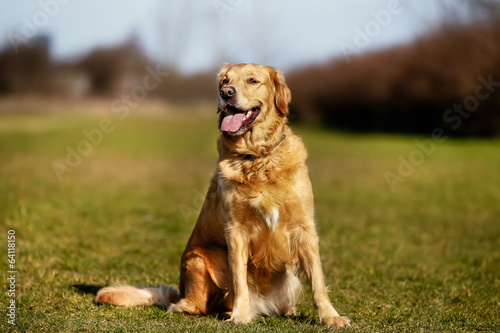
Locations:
(227, 92)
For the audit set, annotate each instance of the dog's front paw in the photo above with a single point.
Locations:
(336, 321)
(240, 318)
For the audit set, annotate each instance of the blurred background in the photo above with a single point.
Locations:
(382, 66)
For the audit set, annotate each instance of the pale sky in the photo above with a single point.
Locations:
(198, 35)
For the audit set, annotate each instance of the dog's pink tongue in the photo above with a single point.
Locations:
(232, 122)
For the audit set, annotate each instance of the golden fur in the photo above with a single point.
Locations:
(255, 232)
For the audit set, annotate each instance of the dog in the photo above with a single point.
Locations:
(255, 233)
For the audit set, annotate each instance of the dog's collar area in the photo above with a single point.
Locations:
(250, 157)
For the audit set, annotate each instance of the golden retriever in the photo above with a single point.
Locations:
(255, 233)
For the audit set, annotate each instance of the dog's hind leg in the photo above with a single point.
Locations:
(200, 288)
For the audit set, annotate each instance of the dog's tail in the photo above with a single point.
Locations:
(130, 295)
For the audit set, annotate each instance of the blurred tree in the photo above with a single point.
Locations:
(448, 79)
(26, 70)
(112, 70)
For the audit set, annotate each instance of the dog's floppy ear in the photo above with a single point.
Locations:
(282, 95)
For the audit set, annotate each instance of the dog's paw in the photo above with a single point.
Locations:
(183, 306)
(240, 318)
(175, 308)
(289, 311)
(336, 321)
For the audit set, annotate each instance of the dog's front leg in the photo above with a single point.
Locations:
(311, 264)
(238, 259)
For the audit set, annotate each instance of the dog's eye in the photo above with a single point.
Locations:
(252, 81)
(225, 81)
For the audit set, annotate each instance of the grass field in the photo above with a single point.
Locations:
(424, 258)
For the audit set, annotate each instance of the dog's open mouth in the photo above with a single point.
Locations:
(237, 120)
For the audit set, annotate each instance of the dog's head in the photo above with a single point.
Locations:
(251, 96)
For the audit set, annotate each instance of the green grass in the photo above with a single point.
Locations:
(425, 258)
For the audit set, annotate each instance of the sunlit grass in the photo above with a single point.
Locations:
(425, 257)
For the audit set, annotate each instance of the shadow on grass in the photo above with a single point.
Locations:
(304, 319)
(86, 288)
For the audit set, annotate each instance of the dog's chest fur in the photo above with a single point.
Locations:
(261, 198)
(258, 189)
